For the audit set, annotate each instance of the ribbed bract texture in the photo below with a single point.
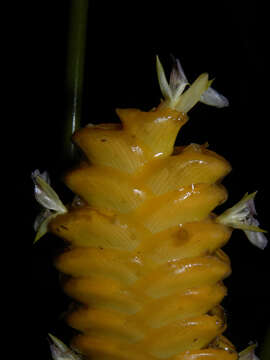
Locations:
(144, 258)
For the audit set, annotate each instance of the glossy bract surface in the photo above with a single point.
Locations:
(143, 259)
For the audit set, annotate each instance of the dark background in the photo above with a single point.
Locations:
(226, 39)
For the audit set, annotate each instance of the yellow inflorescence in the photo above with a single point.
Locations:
(144, 258)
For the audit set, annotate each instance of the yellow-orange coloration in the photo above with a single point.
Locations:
(144, 258)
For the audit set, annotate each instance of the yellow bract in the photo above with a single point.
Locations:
(144, 258)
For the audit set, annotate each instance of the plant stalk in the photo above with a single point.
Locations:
(74, 75)
(265, 347)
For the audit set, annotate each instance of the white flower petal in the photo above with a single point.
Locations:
(43, 226)
(60, 351)
(43, 215)
(178, 81)
(193, 94)
(163, 83)
(45, 175)
(213, 98)
(45, 194)
(257, 238)
(248, 353)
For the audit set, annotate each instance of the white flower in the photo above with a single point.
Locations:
(60, 351)
(47, 197)
(199, 90)
(241, 216)
(248, 353)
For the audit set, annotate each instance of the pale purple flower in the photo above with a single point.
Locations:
(60, 351)
(199, 91)
(48, 199)
(242, 216)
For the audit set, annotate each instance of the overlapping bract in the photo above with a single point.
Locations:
(144, 254)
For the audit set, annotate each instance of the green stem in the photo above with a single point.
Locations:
(74, 74)
(265, 347)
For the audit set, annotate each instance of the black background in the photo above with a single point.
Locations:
(226, 39)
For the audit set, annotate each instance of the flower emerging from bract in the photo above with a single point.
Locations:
(60, 351)
(47, 197)
(241, 216)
